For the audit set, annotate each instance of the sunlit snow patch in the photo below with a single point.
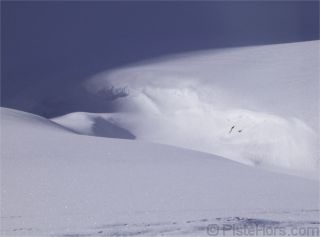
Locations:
(255, 105)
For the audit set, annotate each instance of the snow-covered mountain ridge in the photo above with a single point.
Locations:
(256, 105)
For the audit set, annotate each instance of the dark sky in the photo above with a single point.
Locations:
(68, 40)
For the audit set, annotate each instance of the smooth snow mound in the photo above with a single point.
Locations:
(57, 183)
(257, 105)
(91, 124)
(19, 120)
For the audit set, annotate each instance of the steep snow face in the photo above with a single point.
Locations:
(58, 183)
(256, 105)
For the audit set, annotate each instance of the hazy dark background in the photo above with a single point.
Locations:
(47, 42)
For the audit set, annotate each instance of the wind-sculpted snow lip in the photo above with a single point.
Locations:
(255, 105)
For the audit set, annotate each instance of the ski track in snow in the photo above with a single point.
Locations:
(262, 223)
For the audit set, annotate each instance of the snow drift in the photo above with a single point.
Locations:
(57, 183)
(256, 105)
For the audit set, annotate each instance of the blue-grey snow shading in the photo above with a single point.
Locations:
(46, 44)
(256, 105)
(58, 183)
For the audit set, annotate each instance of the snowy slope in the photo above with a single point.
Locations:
(256, 105)
(55, 182)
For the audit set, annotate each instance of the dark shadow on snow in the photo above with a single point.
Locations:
(104, 128)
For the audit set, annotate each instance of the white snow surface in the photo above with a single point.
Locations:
(58, 183)
(256, 105)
